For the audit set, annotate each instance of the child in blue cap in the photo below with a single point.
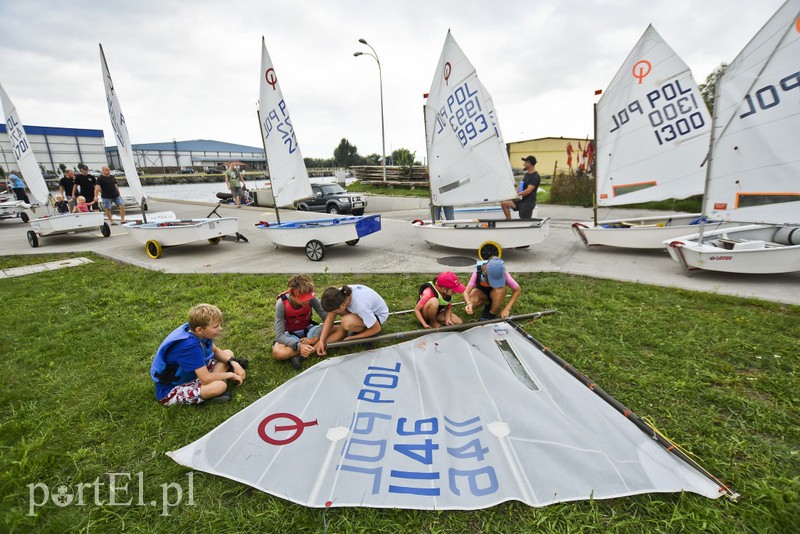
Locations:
(487, 287)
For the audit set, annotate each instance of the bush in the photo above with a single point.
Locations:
(572, 189)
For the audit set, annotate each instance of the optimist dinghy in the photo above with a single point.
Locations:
(289, 178)
(468, 162)
(163, 230)
(754, 169)
(652, 136)
(51, 224)
(10, 209)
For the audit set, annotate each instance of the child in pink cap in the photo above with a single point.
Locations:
(434, 307)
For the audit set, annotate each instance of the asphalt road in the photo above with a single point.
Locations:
(396, 248)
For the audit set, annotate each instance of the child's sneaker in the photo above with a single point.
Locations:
(225, 397)
(296, 362)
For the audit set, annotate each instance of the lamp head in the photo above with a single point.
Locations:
(362, 41)
(356, 54)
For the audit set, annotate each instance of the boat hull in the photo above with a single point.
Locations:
(471, 234)
(326, 231)
(639, 233)
(752, 249)
(67, 224)
(12, 209)
(174, 232)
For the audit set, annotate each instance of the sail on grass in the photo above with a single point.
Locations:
(23, 152)
(287, 170)
(467, 157)
(754, 174)
(120, 127)
(447, 421)
(652, 128)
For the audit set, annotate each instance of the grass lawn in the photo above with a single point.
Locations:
(717, 374)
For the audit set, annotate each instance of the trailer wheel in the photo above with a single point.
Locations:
(352, 242)
(33, 240)
(214, 240)
(153, 248)
(490, 249)
(105, 230)
(315, 250)
(24, 217)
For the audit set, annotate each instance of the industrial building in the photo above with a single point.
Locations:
(198, 154)
(54, 146)
(550, 152)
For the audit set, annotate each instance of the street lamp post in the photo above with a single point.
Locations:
(374, 55)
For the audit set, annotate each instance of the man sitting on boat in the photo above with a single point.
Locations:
(527, 192)
(296, 334)
(488, 287)
(434, 307)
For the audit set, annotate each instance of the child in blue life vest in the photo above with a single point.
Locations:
(296, 334)
(434, 307)
(487, 287)
(362, 309)
(189, 368)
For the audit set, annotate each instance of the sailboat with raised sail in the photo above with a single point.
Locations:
(163, 230)
(289, 178)
(50, 224)
(652, 130)
(754, 165)
(468, 161)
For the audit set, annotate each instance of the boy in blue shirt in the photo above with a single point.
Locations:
(188, 368)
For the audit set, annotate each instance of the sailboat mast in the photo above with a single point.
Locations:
(594, 167)
(266, 158)
(428, 152)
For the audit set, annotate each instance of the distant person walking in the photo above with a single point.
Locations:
(528, 188)
(108, 189)
(235, 183)
(67, 187)
(85, 184)
(18, 186)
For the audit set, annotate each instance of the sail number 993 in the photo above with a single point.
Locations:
(463, 113)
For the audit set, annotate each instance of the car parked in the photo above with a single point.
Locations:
(213, 171)
(333, 198)
(186, 170)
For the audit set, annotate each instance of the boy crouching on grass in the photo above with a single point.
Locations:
(189, 368)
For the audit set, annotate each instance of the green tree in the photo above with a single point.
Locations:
(371, 159)
(404, 158)
(709, 88)
(346, 154)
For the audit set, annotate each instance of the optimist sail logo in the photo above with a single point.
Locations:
(296, 428)
(641, 69)
(271, 78)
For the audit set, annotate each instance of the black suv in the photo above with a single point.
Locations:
(332, 198)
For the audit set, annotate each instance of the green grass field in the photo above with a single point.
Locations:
(717, 374)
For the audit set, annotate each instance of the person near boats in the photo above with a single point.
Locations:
(18, 186)
(189, 368)
(434, 307)
(66, 186)
(62, 206)
(85, 185)
(81, 206)
(363, 313)
(235, 183)
(296, 333)
(487, 287)
(528, 188)
(108, 190)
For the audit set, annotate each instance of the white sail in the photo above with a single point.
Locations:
(755, 170)
(287, 170)
(23, 152)
(467, 157)
(120, 127)
(652, 128)
(447, 421)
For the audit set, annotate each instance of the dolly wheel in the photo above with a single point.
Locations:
(352, 242)
(33, 240)
(214, 240)
(24, 217)
(153, 248)
(315, 250)
(490, 249)
(105, 230)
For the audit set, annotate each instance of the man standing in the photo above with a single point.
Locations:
(67, 186)
(18, 186)
(108, 189)
(527, 192)
(234, 181)
(85, 185)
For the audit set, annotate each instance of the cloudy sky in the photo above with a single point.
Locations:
(190, 69)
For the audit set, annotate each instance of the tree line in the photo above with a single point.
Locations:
(346, 155)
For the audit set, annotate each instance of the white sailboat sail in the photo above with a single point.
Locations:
(23, 152)
(467, 157)
(447, 421)
(287, 170)
(755, 168)
(120, 127)
(652, 128)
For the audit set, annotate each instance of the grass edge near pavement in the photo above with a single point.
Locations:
(733, 368)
